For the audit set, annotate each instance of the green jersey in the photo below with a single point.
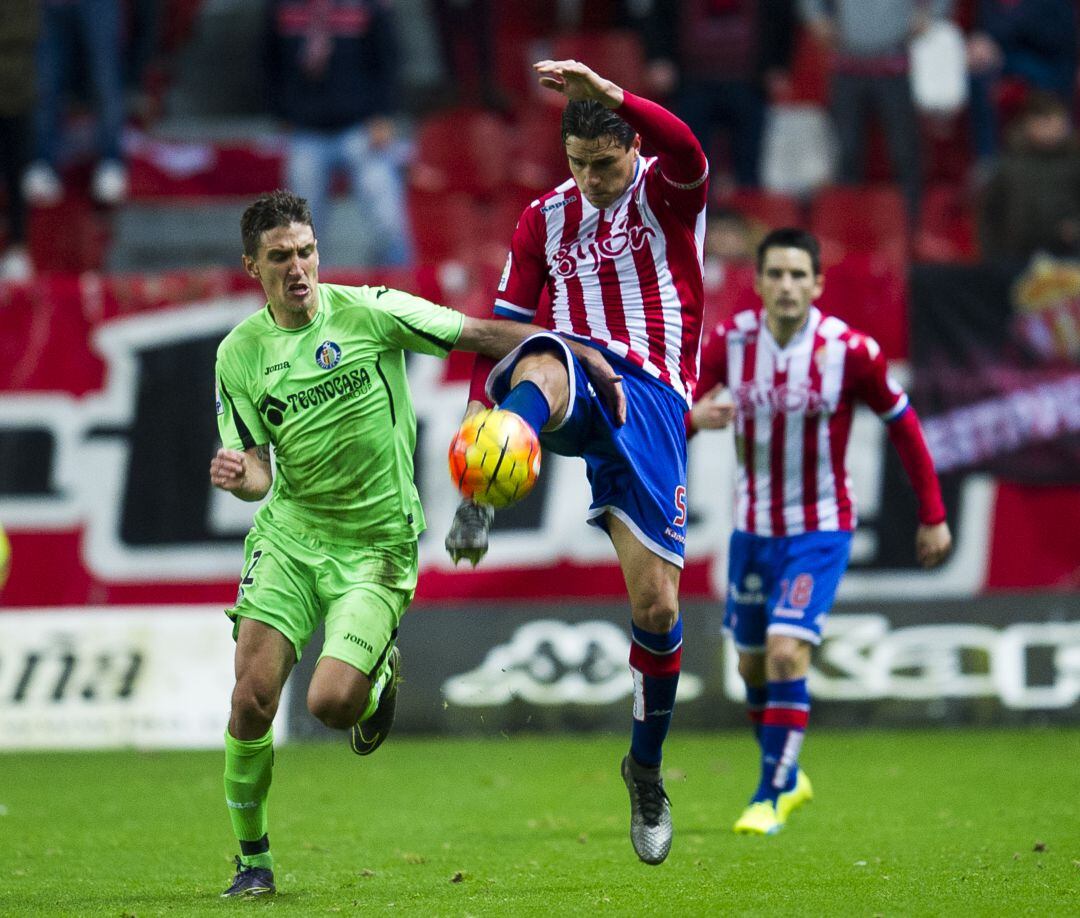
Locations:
(333, 400)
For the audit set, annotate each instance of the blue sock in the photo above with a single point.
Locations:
(756, 697)
(655, 660)
(783, 727)
(529, 403)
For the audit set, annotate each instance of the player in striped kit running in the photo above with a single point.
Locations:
(792, 376)
(618, 248)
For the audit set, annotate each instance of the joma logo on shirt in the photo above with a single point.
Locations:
(284, 365)
(569, 257)
(346, 385)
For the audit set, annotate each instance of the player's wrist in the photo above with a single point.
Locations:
(614, 97)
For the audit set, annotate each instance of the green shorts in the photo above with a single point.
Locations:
(292, 582)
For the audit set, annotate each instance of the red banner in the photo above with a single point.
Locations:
(107, 425)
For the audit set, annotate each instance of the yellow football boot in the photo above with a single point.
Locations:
(789, 801)
(758, 819)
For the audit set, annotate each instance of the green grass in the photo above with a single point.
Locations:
(904, 824)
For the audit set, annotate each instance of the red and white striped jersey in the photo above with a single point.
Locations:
(793, 409)
(628, 277)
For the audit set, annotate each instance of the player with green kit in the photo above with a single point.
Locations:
(319, 376)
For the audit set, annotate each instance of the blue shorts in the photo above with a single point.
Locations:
(782, 585)
(638, 471)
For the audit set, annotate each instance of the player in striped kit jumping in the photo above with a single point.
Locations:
(618, 247)
(793, 376)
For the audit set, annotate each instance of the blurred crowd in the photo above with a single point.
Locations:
(788, 97)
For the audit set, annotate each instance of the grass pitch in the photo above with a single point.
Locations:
(904, 824)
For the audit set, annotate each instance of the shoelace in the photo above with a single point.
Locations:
(651, 799)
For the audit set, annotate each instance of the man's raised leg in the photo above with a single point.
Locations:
(539, 394)
(344, 698)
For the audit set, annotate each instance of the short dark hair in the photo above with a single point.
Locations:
(790, 237)
(278, 208)
(591, 121)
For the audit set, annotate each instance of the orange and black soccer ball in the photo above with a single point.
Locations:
(494, 458)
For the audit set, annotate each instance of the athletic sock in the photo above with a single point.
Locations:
(249, 768)
(382, 676)
(783, 727)
(655, 660)
(529, 403)
(756, 698)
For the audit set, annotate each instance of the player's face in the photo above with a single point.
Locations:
(787, 286)
(287, 266)
(602, 169)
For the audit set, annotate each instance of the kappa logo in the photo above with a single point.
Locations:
(550, 662)
(555, 205)
(752, 592)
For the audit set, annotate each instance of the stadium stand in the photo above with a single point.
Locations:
(473, 169)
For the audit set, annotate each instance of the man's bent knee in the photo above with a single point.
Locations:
(338, 709)
(546, 370)
(336, 713)
(787, 659)
(655, 615)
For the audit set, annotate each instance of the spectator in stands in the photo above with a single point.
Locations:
(18, 35)
(467, 31)
(94, 28)
(720, 61)
(332, 74)
(1034, 41)
(870, 38)
(144, 23)
(1031, 201)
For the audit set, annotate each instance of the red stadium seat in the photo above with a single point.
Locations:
(615, 53)
(870, 292)
(444, 225)
(74, 235)
(810, 67)
(733, 294)
(463, 150)
(868, 218)
(948, 231)
(767, 208)
(539, 157)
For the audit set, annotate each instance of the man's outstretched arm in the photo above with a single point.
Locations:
(495, 338)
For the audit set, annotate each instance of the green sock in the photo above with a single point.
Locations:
(248, 770)
(377, 686)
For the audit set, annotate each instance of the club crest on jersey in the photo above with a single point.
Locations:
(821, 357)
(328, 355)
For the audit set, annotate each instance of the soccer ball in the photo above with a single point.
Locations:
(494, 458)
